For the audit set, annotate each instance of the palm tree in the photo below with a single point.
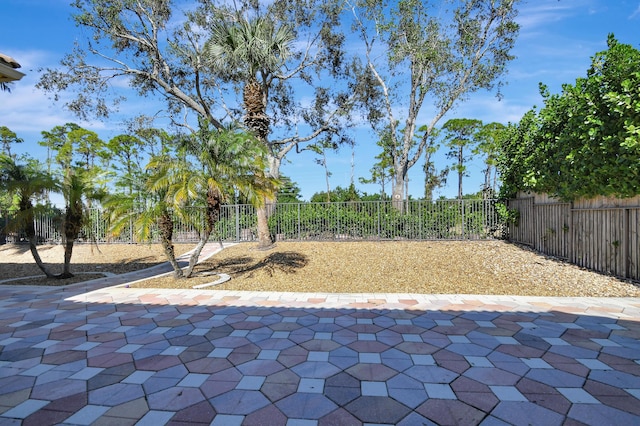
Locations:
(27, 182)
(253, 51)
(125, 210)
(232, 160)
(78, 186)
(229, 160)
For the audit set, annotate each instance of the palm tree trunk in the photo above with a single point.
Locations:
(38, 260)
(72, 226)
(265, 240)
(165, 224)
(193, 259)
(213, 215)
(68, 250)
(30, 230)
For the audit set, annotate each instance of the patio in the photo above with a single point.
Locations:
(96, 353)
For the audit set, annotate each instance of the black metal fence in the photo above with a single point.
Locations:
(360, 220)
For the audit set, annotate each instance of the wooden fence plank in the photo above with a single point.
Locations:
(601, 234)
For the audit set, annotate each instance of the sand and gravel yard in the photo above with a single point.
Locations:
(429, 267)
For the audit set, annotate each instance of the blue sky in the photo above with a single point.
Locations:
(556, 42)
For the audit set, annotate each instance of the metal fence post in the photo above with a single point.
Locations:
(378, 208)
(463, 227)
(237, 209)
(299, 225)
(420, 207)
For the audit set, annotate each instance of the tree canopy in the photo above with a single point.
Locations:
(585, 141)
(197, 58)
(433, 54)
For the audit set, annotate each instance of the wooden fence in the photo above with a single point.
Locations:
(601, 234)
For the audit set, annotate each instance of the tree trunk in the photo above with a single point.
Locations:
(397, 195)
(167, 246)
(30, 230)
(265, 240)
(68, 251)
(36, 257)
(72, 226)
(398, 190)
(165, 225)
(460, 172)
(193, 259)
(213, 216)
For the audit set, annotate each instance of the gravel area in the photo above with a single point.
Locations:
(428, 267)
(434, 267)
(88, 261)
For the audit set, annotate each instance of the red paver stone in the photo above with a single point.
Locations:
(58, 389)
(109, 360)
(45, 417)
(132, 410)
(267, 416)
(208, 365)
(484, 401)
(64, 357)
(115, 394)
(155, 363)
(450, 412)
(339, 417)
(373, 409)
(175, 399)
(553, 401)
(371, 372)
(69, 404)
(107, 337)
(368, 346)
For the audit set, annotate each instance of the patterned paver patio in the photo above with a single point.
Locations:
(102, 354)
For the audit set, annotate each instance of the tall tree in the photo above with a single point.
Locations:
(127, 152)
(433, 179)
(383, 170)
(8, 138)
(431, 52)
(490, 138)
(289, 191)
(86, 147)
(460, 137)
(160, 50)
(254, 52)
(55, 141)
(320, 148)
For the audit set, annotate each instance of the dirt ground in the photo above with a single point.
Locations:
(429, 267)
(88, 261)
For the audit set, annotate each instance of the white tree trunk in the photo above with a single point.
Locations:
(397, 196)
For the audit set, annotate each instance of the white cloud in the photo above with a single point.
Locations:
(636, 13)
(536, 15)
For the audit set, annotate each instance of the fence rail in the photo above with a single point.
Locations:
(363, 220)
(604, 238)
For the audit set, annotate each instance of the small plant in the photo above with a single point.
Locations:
(507, 215)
